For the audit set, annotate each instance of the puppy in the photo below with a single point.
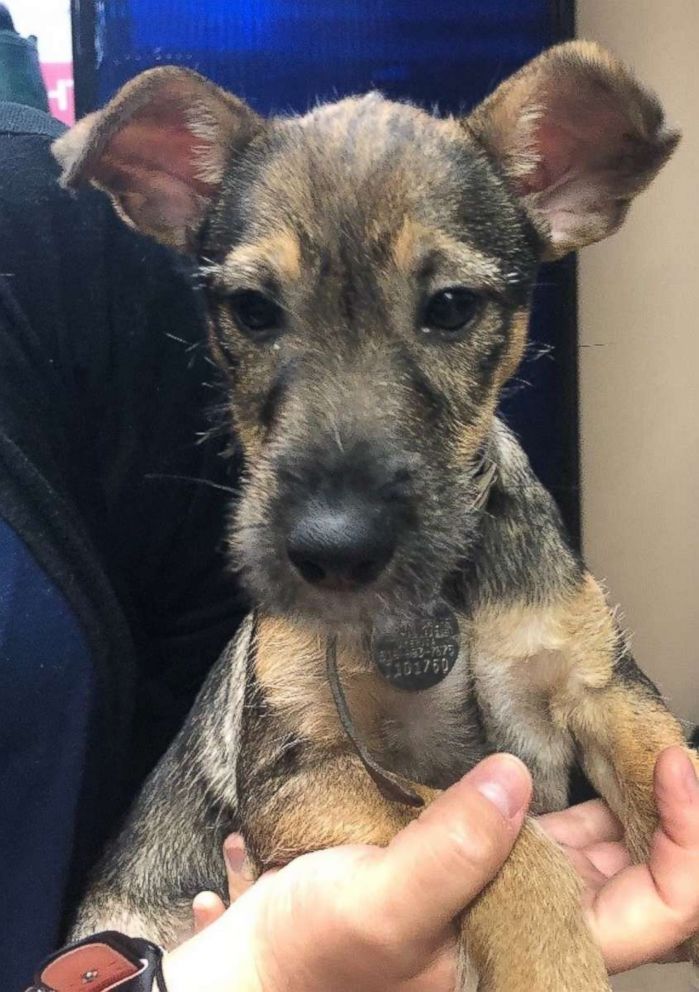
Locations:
(369, 270)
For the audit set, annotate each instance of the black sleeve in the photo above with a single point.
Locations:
(107, 389)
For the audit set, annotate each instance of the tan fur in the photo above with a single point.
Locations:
(278, 254)
(519, 330)
(290, 666)
(560, 663)
(476, 269)
(333, 803)
(404, 248)
(572, 639)
(336, 803)
(473, 434)
(549, 960)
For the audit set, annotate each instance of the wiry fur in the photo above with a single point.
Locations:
(350, 217)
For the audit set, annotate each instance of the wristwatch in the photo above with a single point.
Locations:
(102, 963)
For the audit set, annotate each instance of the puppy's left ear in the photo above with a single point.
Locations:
(160, 149)
(576, 138)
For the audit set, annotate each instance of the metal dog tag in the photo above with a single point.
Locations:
(418, 652)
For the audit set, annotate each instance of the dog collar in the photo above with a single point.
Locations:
(104, 962)
(389, 785)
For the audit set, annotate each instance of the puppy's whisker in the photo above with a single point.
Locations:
(191, 478)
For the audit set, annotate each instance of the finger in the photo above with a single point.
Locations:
(646, 911)
(674, 861)
(207, 907)
(580, 826)
(609, 858)
(597, 864)
(590, 875)
(440, 862)
(237, 867)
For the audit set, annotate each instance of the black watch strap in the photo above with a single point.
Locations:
(101, 963)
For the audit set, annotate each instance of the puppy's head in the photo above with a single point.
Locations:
(369, 270)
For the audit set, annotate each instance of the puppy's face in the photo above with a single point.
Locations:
(369, 268)
(368, 280)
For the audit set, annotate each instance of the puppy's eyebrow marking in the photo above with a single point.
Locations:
(418, 250)
(405, 244)
(278, 256)
(485, 270)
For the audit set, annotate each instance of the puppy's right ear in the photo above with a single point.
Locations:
(160, 149)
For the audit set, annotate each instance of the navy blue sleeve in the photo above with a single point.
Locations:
(47, 692)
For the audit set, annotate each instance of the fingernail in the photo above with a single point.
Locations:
(234, 853)
(504, 781)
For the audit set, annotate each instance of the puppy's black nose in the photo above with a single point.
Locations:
(342, 547)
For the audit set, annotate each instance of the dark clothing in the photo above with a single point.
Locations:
(47, 690)
(20, 73)
(114, 598)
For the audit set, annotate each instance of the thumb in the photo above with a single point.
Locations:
(449, 854)
(674, 854)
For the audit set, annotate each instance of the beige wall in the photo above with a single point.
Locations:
(639, 365)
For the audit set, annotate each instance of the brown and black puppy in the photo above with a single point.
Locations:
(369, 271)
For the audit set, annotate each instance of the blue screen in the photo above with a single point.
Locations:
(284, 54)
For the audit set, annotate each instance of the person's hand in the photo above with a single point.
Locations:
(639, 913)
(361, 916)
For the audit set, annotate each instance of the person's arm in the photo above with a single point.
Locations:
(370, 918)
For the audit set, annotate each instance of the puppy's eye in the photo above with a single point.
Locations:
(450, 311)
(259, 316)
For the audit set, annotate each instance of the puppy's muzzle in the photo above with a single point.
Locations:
(344, 543)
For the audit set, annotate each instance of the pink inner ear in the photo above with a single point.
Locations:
(589, 151)
(574, 136)
(159, 149)
(160, 146)
(151, 166)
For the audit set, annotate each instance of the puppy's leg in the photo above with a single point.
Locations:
(525, 933)
(328, 800)
(614, 714)
(616, 717)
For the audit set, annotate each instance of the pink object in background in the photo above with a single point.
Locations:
(49, 20)
(58, 77)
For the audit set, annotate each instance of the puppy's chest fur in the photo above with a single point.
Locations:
(432, 735)
(494, 698)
